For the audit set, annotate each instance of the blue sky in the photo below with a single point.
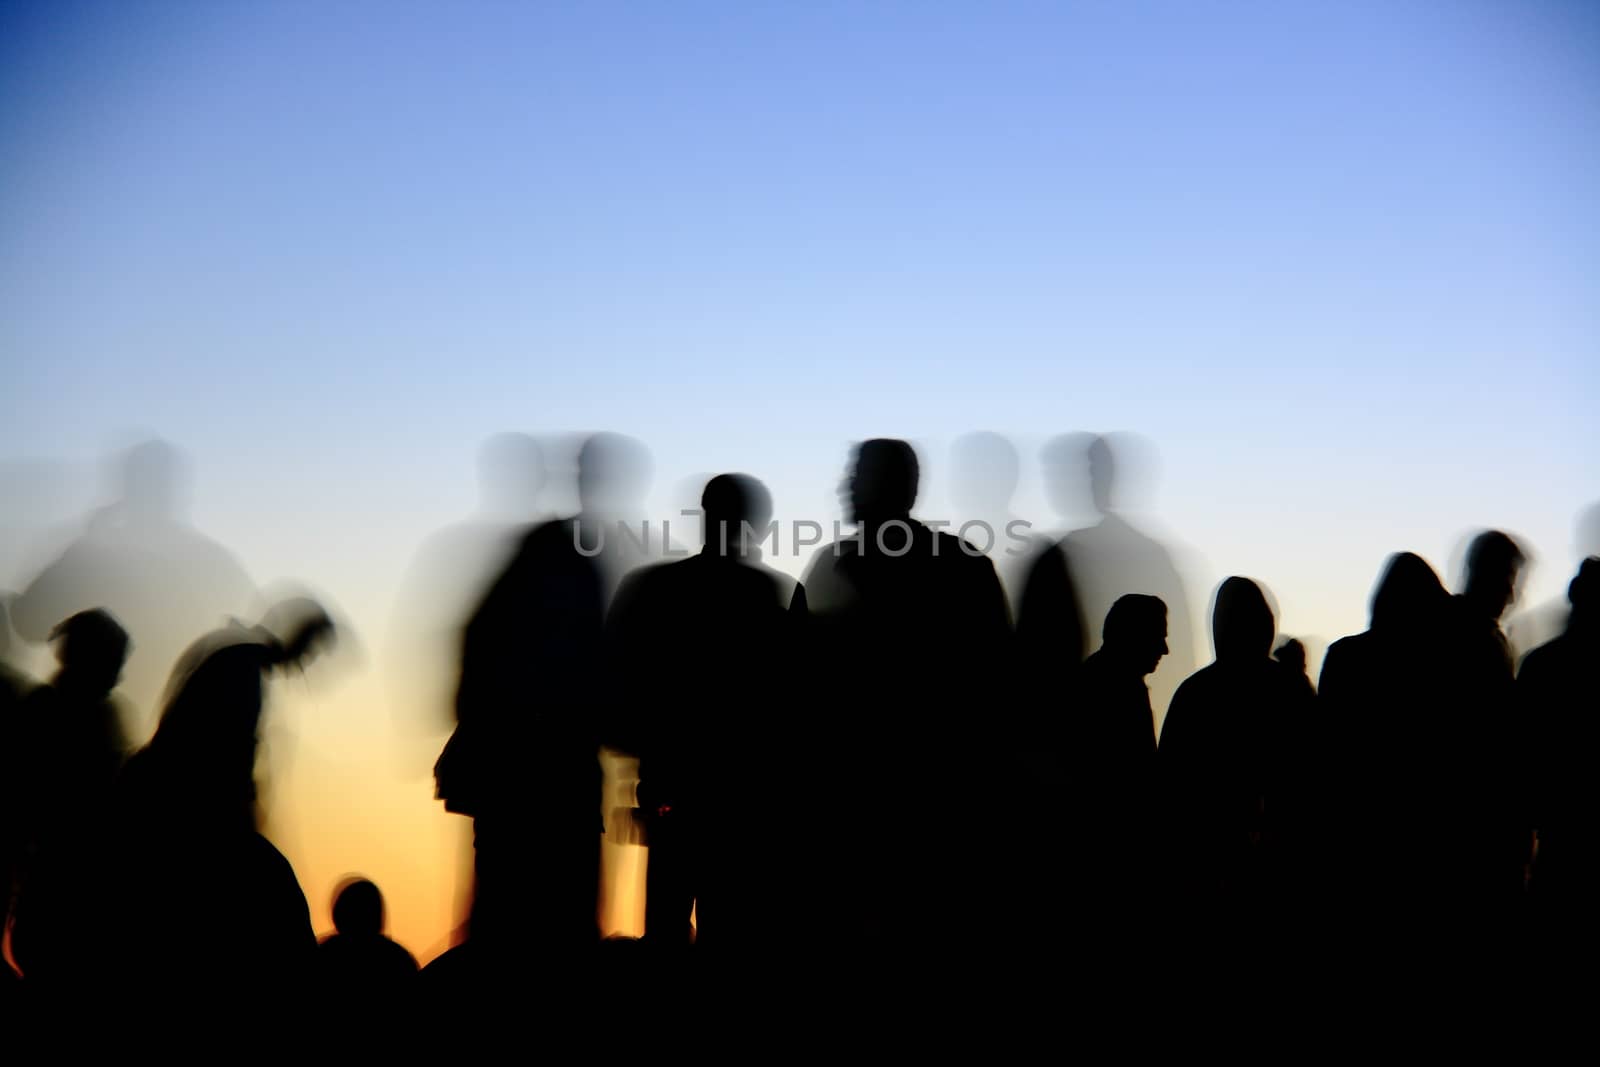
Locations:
(1351, 243)
(1338, 261)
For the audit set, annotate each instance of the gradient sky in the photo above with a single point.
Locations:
(1338, 261)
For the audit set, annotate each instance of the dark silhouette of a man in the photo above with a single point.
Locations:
(524, 760)
(910, 631)
(703, 646)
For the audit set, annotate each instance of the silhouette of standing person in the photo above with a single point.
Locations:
(704, 645)
(915, 787)
(1557, 694)
(449, 576)
(140, 560)
(1226, 762)
(524, 760)
(984, 472)
(1484, 746)
(72, 748)
(1381, 857)
(1106, 741)
(1113, 556)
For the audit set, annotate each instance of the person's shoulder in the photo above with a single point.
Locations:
(1543, 658)
(824, 562)
(1344, 647)
(400, 957)
(953, 545)
(1199, 685)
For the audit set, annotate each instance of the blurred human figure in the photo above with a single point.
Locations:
(202, 759)
(524, 760)
(614, 474)
(984, 472)
(139, 559)
(448, 578)
(703, 646)
(1084, 472)
(359, 960)
(197, 894)
(71, 749)
(912, 764)
(1557, 694)
(1483, 748)
(1227, 759)
(1541, 623)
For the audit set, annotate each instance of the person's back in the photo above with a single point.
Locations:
(524, 759)
(72, 750)
(1224, 758)
(1106, 778)
(1483, 751)
(359, 961)
(529, 659)
(910, 630)
(702, 647)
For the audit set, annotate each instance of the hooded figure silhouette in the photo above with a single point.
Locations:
(1224, 753)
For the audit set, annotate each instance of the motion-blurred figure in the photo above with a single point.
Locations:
(913, 785)
(1114, 557)
(1483, 748)
(71, 749)
(614, 474)
(140, 560)
(448, 578)
(984, 472)
(1557, 684)
(1544, 622)
(524, 760)
(198, 895)
(703, 647)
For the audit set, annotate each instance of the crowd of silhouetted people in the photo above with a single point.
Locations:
(912, 758)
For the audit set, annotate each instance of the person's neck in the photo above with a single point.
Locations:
(870, 525)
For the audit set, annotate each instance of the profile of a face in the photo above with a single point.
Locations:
(1156, 648)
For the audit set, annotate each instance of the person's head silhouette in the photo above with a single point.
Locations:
(153, 480)
(1408, 598)
(614, 473)
(984, 471)
(301, 630)
(1102, 474)
(882, 485)
(1494, 562)
(1583, 593)
(1242, 626)
(1136, 632)
(91, 647)
(729, 503)
(358, 909)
